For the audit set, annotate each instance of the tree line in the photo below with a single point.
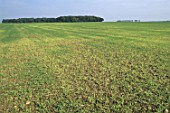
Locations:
(58, 19)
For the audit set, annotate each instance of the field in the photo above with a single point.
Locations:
(85, 67)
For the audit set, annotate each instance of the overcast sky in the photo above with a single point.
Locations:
(110, 10)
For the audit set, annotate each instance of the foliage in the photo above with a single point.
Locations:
(85, 67)
(59, 19)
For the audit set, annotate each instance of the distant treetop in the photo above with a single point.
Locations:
(58, 19)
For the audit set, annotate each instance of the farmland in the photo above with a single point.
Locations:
(85, 67)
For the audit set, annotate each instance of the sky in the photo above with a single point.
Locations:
(110, 10)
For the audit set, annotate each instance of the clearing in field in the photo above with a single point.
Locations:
(85, 67)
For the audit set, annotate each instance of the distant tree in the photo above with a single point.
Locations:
(79, 19)
(59, 19)
(4, 21)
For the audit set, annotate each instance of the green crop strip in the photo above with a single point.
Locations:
(85, 67)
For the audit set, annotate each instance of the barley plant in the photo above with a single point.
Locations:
(85, 67)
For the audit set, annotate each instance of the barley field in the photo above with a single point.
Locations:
(85, 67)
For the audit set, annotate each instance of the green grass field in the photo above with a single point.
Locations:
(85, 67)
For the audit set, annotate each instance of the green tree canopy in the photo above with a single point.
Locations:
(58, 19)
